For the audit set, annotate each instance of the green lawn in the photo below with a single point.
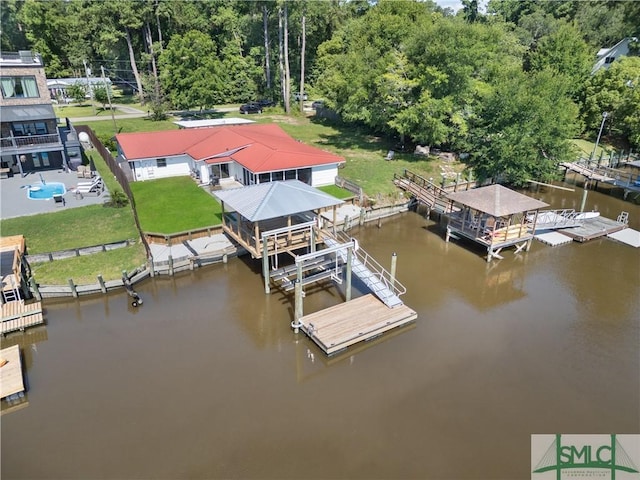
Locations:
(337, 191)
(104, 128)
(72, 228)
(85, 269)
(172, 205)
(585, 148)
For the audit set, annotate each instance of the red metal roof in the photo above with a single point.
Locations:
(257, 147)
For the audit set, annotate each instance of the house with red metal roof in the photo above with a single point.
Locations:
(250, 154)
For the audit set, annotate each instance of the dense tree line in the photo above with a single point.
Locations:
(508, 86)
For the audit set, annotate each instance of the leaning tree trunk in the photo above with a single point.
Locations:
(302, 49)
(287, 71)
(267, 62)
(134, 67)
(149, 40)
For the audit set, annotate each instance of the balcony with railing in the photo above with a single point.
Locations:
(30, 141)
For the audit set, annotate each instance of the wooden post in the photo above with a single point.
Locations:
(170, 259)
(265, 266)
(34, 287)
(362, 213)
(74, 292)
(152, 269)
(298, 307)
(344, 225)
(225, 258)
(191, 263)
(312, 239)
(584, 195)
(103, 287)
(394, 262)
(348, 279)
(256, 233)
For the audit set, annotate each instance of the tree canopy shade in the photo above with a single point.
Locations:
(522, 128)
(191, 72)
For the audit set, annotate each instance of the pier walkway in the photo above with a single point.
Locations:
(600, 173)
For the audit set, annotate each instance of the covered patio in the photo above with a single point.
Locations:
(496, 217)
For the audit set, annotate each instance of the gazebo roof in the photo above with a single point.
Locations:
(496, 200)
(275, 199)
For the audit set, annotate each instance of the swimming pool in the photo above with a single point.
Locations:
(45, 191)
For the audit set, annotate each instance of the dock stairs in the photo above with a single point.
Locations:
(374, 276)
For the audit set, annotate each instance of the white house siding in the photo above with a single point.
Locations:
(606, 56)
(324, 175)
(180, 165)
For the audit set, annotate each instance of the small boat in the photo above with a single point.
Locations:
(586, 215)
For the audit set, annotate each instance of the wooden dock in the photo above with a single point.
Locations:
(594, 228)
(18, 315)
(336, 328)
(11, 381)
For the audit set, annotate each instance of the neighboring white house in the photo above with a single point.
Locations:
(251, 154)
(606, 56)
(58, 86)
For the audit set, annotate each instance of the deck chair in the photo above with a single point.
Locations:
(95, 187)
(59, 200)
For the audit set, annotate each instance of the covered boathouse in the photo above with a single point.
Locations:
(494, 216)
(285, 217)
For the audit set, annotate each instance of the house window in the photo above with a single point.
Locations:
(609, 60)
(29, 128)
(290, 175)
(264, 178)
(19, 87)
(161, 162)
(275, 176)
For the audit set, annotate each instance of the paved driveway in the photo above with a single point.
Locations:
(15, 201)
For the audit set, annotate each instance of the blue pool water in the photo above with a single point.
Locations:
(45, 191)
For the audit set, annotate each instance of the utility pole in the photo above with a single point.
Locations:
(89, 89)
(106, 87)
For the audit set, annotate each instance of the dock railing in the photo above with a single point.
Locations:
(425, 191)
(373, 266)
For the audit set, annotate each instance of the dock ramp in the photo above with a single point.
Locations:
(376, 278)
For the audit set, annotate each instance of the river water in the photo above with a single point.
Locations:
(207, 380)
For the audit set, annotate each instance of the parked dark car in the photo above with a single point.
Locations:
(251, 107)
(264, 102)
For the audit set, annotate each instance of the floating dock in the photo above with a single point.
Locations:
(594, 228)
(553, 238)
(11, 382)
(628, 236)
(17, 315)
(336, 328)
